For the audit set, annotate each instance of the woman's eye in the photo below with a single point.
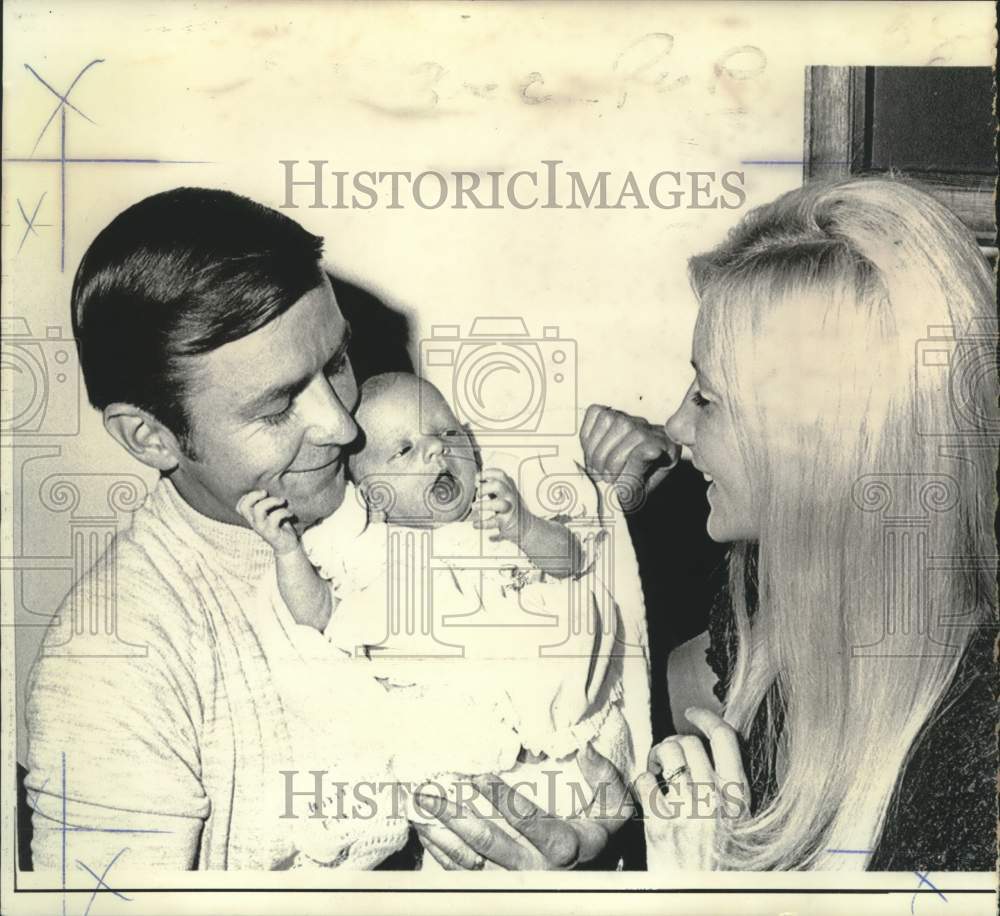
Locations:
(403, 451)
(699, 399)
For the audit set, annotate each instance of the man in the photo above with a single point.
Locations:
(212, 343)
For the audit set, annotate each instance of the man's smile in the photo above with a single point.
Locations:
(336, 460)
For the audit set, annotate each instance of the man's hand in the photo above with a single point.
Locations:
(271, 518)
(626, 451)
(499, 505)
(465, 839)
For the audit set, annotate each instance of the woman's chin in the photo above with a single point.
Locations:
(717, 526)
(723, 531)
(719, 536)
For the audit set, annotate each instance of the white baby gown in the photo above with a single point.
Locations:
(450, 654)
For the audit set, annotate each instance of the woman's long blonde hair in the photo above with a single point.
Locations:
(870, 440)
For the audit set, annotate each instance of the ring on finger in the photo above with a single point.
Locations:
(669, 782)
(680, 771)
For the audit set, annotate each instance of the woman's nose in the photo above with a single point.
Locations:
(680, 424)
(329, 418)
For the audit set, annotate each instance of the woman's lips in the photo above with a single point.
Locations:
(704, 473)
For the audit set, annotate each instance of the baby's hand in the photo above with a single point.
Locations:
(498, 504)
(271, 518)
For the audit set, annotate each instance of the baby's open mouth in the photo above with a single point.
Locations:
(445, 491)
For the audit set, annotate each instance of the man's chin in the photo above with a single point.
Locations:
(326, 499)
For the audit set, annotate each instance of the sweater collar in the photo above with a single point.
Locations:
(241, 551)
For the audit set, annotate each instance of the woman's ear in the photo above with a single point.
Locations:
(143, 436)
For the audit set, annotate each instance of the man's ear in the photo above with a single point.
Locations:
(143, 436)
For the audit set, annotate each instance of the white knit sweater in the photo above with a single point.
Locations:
(173, 751)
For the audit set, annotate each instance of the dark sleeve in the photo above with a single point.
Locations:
(943, 816)
(721, 646)
(681, 569)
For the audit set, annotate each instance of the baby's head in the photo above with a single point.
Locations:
(417, 464)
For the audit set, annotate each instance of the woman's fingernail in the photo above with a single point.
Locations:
(480, 863)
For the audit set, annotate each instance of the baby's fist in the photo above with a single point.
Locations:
(271, 518)
(499, 503)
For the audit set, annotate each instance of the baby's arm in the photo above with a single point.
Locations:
(549, 544)
(303, 590)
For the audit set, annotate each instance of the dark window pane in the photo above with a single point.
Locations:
(936, 119)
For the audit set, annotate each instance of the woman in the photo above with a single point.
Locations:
(852, 464)
(855, 663)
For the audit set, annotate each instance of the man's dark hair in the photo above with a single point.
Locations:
(176, 275)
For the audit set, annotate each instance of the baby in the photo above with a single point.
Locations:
(492, 677)
(420, 468)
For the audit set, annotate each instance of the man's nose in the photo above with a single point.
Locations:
(328, 418)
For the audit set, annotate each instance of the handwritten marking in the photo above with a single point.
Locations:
(66, 828)
(428, 87)
(102, 884)
(63, 160)
(30, 224)
(63, 99)
(654, 47)
(922, 877)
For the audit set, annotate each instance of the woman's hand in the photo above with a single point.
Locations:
(682, 817)
(621, 449)
(465, 840)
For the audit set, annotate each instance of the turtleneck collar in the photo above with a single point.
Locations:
(241, 551)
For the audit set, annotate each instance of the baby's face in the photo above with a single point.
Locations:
(418, 464)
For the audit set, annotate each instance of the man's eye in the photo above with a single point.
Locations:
(337, 366)
(451, 433)
(275, 419)
(699, 399)
(403, 451)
